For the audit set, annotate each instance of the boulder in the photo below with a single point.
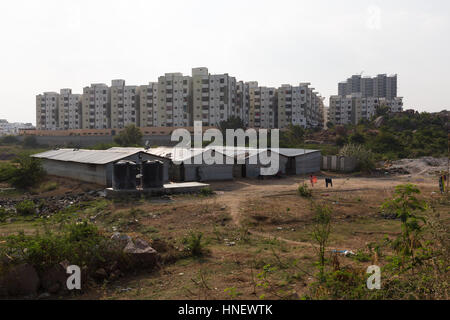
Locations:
(54, 279)
(379, 121)
(21, 280)
(141, 253)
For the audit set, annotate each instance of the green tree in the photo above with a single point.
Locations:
(131, 136)
(28, 172)
(233, 122)
(321, 234)
(407, 206)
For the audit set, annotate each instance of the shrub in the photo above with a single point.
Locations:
(9, 140)
(207, 191)
(30, 142)
(194, 243)
(26, 208)
(81, 244)
(28, 173)
(49, 186)
(304, 191)
(7, 171)
(364, 157)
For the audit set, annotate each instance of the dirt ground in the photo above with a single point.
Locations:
(246, 225)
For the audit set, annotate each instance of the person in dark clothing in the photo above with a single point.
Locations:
(329, 181)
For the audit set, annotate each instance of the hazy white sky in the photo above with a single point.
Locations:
(51, 44)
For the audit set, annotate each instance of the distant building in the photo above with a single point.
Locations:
(7, 128)
(381, 86)
(69, 110)
(96, 110)
(47, 105)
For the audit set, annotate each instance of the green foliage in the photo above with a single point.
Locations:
(233, 122)
(321, 234)
(292, 137)
(406, 205)
(130, 136)
(7, 171)
(194, 243)
(26, 208)
(364, 157)
(9, 140)
(304, 191)
(27, 173)
(206, 192)
(30, 142)
(80, 244)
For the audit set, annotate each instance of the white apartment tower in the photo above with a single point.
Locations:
(173, 100)
(95, 107)
(262, 106)
(300, 106)
(47, 111)
(213, 97)
(69, 110)
(148, 102)
(124, 105)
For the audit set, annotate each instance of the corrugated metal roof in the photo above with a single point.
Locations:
(86, 156)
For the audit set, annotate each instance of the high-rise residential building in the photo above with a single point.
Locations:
(354, 108)
(243, 101)
(381, 86)
(96, 110)
(174, 92)
(47, 111)
(148, 102)
(213, 97)
(299, 105)
(69, 110)
(124, 105)
(177, 101)
(262, 107)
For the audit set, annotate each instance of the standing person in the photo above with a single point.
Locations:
(311, 180)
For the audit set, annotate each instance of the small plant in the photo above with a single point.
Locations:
(26, 208)
(49, 186)
(232, 292)
(207, 191)
(194, 243)
(304, 191)
(321, 234)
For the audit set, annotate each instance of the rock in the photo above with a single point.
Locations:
(54, 279)
(100, 274)
(141, 253)
(21, 280)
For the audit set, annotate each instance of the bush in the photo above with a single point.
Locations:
(364, 157)
(194, 243)
(207, 191)
(26, 208)
(81, 244)
(30, 142)
(304, 191)
(28, 173)
(9, 140)
(7, 171)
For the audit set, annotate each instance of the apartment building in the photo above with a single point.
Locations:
(124, 104)
(354, 108)
(148, 102)
(96, 109)
(299, 105)
(214, 97)
(174, 92)
(69, 110)
(381, 86)
(262, 107)
(47, 111)
(243, 100)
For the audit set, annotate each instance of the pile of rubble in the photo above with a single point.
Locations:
(421, 166)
